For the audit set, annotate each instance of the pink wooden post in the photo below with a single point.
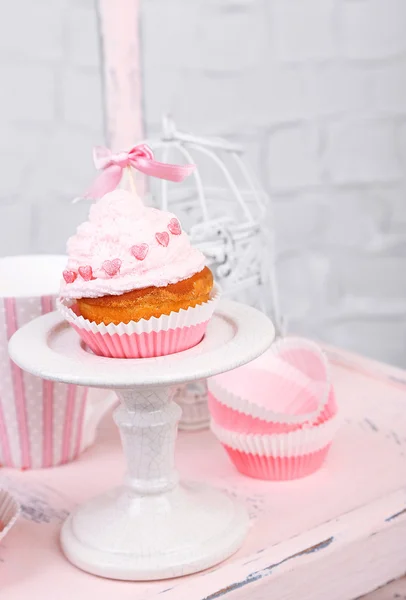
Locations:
(122, 72)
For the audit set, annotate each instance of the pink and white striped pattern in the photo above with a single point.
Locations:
(157, 336)
(42, 424)
(144, 345)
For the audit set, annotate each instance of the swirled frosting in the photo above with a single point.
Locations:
(125, 246)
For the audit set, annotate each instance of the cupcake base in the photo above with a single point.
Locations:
(148, 302)
(147, 338)
(144, 345)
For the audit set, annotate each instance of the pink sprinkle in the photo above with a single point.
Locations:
(139, 251)
(162, 238)
(112, 267)
(174, 227)
(86, 272)
(69, 276)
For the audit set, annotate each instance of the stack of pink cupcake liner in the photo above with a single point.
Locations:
(276, 417)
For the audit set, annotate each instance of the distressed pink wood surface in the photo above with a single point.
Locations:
(358, 496)
(396, 590)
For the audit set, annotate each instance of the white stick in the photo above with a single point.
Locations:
(132, 182)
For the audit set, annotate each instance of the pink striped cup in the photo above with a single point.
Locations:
(42, 424)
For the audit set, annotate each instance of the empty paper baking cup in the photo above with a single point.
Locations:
(278, 456)
(9, 512)
(229, 418)
(288, 387)
(146, 338)
(276, 417)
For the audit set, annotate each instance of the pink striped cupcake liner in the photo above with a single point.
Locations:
(9, 512)
(229, 418)
(276, 417)
(277, 468)
(287, 387)
(278, 456)
(146, 338)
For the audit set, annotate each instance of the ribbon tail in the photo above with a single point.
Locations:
(106, 182)
(162, 170)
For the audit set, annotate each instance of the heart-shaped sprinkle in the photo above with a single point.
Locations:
(86, 272)
(139, 251)
(174, 226)
(162, 238)
(112, 267)
(69, 276)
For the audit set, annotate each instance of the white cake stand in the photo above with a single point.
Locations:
(151, 527)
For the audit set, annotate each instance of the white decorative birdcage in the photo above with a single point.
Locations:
(224, 210)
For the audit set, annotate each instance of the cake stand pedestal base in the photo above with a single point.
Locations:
(152, 527)
(122, 535)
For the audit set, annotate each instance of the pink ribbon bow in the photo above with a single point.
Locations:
(141, 158)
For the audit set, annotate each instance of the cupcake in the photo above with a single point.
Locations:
(134, 286)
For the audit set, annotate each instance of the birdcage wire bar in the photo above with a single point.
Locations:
(224, 219)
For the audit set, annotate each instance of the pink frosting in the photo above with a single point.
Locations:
(118, 222)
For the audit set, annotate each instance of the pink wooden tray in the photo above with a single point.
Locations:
(335, 535)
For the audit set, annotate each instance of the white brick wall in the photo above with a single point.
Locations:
(293, 39)
(372, 29)
(362, 152)
(317, 88)
(293, 158)
(50, 116)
